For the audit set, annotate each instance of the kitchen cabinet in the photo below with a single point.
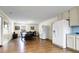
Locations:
(77, 43)
(71, 41)
(74, 16)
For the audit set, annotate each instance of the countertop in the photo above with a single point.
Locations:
(73, 34)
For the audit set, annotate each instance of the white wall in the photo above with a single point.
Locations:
(36, 27)
(6, 33)
(0, 31)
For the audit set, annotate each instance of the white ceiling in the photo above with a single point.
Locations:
(33, 13)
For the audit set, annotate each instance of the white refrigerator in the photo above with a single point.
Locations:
(59, 31)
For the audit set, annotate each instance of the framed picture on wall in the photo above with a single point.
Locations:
(32, 28)
(6, 25)
(17, 27)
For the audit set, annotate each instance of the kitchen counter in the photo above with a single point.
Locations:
(73, 34)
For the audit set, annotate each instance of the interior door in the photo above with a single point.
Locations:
(45, 31)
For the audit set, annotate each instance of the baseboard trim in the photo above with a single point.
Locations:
(58, 46)
(46, 39)
(6, 42)
(72, 49)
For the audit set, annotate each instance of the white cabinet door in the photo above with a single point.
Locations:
(77, 43)
(71, 41)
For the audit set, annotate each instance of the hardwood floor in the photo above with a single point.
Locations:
(32, 46)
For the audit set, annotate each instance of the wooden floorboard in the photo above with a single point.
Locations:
(32, 46)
